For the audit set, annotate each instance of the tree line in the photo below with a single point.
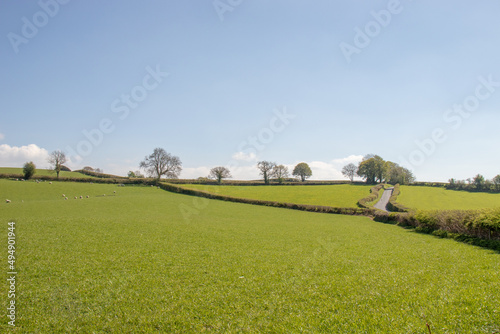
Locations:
(477, 183)
(373, 169)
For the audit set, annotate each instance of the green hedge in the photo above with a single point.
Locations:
(311, 208)
(478, 227)
(393, 205)
(374, 195)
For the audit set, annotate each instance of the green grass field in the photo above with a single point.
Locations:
(429, 198)
(342, 195)
(43, 172)
(136, 262)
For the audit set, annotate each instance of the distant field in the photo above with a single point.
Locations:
(430, 198)
(342, 195)
(143, 260)
(43, 172)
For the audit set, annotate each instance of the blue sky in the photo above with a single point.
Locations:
(228, 83)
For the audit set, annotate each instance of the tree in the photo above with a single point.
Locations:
(395, 173)
(349, 171)
(496, 182)
(29, 170)
(88, 169)
(280, 173)
(372, 168)
(303, 171)
(266, 169)
(478, 181)
(219, 173)
(57, 159)
(160, 163)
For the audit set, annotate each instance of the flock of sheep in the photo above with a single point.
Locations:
(63, 195)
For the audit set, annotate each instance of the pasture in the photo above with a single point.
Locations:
(129, 262)
(432, 198)
(342, 195)
(44, 172)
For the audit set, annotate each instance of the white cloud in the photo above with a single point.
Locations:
(194, 172)
(242, 156)
(14, 156)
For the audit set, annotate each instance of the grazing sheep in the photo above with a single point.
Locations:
(88, 196)
(81, 197)
(63, 195)
(7, 201)
(76, 197)
(104, 195)
(65, 198)
(114, 192)
(50, 182)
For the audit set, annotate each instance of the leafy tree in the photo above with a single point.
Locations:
(29, 170)
(88, 169)
(367, 170)
(496, 182)
(160, 163)
(349, 171)
(395, 173)
(57, 159)
(266, 169)
(303, 171)
(219, 173)
(478, 181)
(372, 169)
(280, 172)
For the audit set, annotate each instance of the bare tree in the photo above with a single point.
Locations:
(219, 173)
(266, 169)
(280, 172)
(160, 163)
(349, 171)
(57, 159)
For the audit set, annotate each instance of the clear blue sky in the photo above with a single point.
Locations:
(354, 77)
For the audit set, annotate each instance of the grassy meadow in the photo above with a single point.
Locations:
(143, 260)
(431, 198)
(44, 172)
(342, 195)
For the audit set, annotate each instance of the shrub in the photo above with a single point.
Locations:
(29, 170)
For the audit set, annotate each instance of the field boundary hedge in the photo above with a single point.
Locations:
(99, 175)
(393, 205)
(259, 183)
(302, 207)
(476, 227)
(81, 180)
(374, 195)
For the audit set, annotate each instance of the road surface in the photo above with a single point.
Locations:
(384, 200)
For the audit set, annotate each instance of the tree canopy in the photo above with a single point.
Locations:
(303, 171)
(160, 163)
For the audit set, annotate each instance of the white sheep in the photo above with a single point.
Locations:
(88, 196)
(63, 195)
(65, 198)
(114, 192)
(76, 197)
(50, 182)
(7, 201)
(81, 197)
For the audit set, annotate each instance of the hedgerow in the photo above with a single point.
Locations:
(302, 207)
(393, 205)
(374, 195)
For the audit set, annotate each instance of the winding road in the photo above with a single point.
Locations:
(384, 200)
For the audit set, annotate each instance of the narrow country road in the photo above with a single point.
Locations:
(384, 199)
